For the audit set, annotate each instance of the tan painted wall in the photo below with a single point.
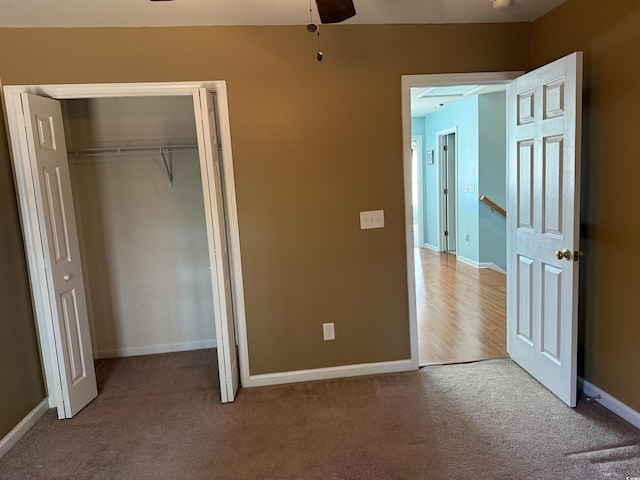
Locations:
(314, 144)
(609, 36)
(21, 386)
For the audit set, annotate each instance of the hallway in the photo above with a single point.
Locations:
(461, 310)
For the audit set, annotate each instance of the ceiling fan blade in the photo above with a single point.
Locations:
(335, 11)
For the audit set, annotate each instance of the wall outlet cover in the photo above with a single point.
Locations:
(328, 331)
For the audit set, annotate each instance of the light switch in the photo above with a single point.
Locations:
(465, 188)
(472, 187)
(372, 219)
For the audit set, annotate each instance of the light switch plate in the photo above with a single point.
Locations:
(372, 219)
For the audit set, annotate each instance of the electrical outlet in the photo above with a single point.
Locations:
(328, 331)
(372, 219)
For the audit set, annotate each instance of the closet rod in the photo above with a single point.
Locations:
(123, 150)
(162, 149)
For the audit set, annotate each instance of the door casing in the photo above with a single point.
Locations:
(31, 228)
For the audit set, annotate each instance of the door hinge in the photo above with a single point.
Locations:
(446, 233)
(446, 191)
(444, 147)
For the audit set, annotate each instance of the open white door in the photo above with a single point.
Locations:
(544, 119)
(67, 303)
(210, 168)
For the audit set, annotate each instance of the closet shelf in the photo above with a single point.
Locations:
(124, 150)
(162, 149)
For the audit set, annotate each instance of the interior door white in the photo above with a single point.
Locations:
(210, 167)
(452, 192)
(50, 170)
(544, 112)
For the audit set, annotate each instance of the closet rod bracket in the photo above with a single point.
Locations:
(168, 165)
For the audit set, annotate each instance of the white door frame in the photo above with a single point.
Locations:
(31, 228)
(409, 82)
(420, 187)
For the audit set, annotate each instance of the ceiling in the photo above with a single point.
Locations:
(426, 100)
(135, 13)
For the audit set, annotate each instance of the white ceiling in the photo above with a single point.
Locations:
(134, 13)
(427, 100)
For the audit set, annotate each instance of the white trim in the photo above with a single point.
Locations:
(475, 264)
(468, 261)
(11, 438)
(492, 266)
(31, 229)
(419, 187)
(407, 82)
(610, 403)
(430, 247)
(331, 372)
(408, 213)
(154, 349)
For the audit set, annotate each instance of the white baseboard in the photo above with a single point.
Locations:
(153, 349)
(429, 247)
(330, 372)
(475, 264)
(23, 427)
(468, 261)
(492, 266)
(610, 403)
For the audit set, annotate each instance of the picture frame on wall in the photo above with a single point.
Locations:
(429, 157)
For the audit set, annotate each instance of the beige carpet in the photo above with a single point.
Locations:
(159, 417)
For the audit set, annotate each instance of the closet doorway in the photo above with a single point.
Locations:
(41, 166)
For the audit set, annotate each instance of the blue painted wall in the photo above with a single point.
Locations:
(493, 177)
(462, 116)
(480, 123)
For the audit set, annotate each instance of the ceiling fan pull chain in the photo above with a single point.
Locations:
(312, 27)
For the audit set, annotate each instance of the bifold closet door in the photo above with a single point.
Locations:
(64, 282)
(211, 171)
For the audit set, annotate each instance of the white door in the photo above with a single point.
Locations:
(451, 192)
(544, 111)
(210, 167)
(67, 303)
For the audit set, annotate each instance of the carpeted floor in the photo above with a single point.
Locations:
(160, 417)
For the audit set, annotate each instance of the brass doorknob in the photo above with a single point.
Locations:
(564, 254)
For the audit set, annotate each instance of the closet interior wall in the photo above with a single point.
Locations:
(143, 240)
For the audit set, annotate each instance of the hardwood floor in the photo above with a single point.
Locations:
(461, 310)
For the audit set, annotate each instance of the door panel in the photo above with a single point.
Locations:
(544, 179)
(452, 194)
(211, 170)
(48, 159)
